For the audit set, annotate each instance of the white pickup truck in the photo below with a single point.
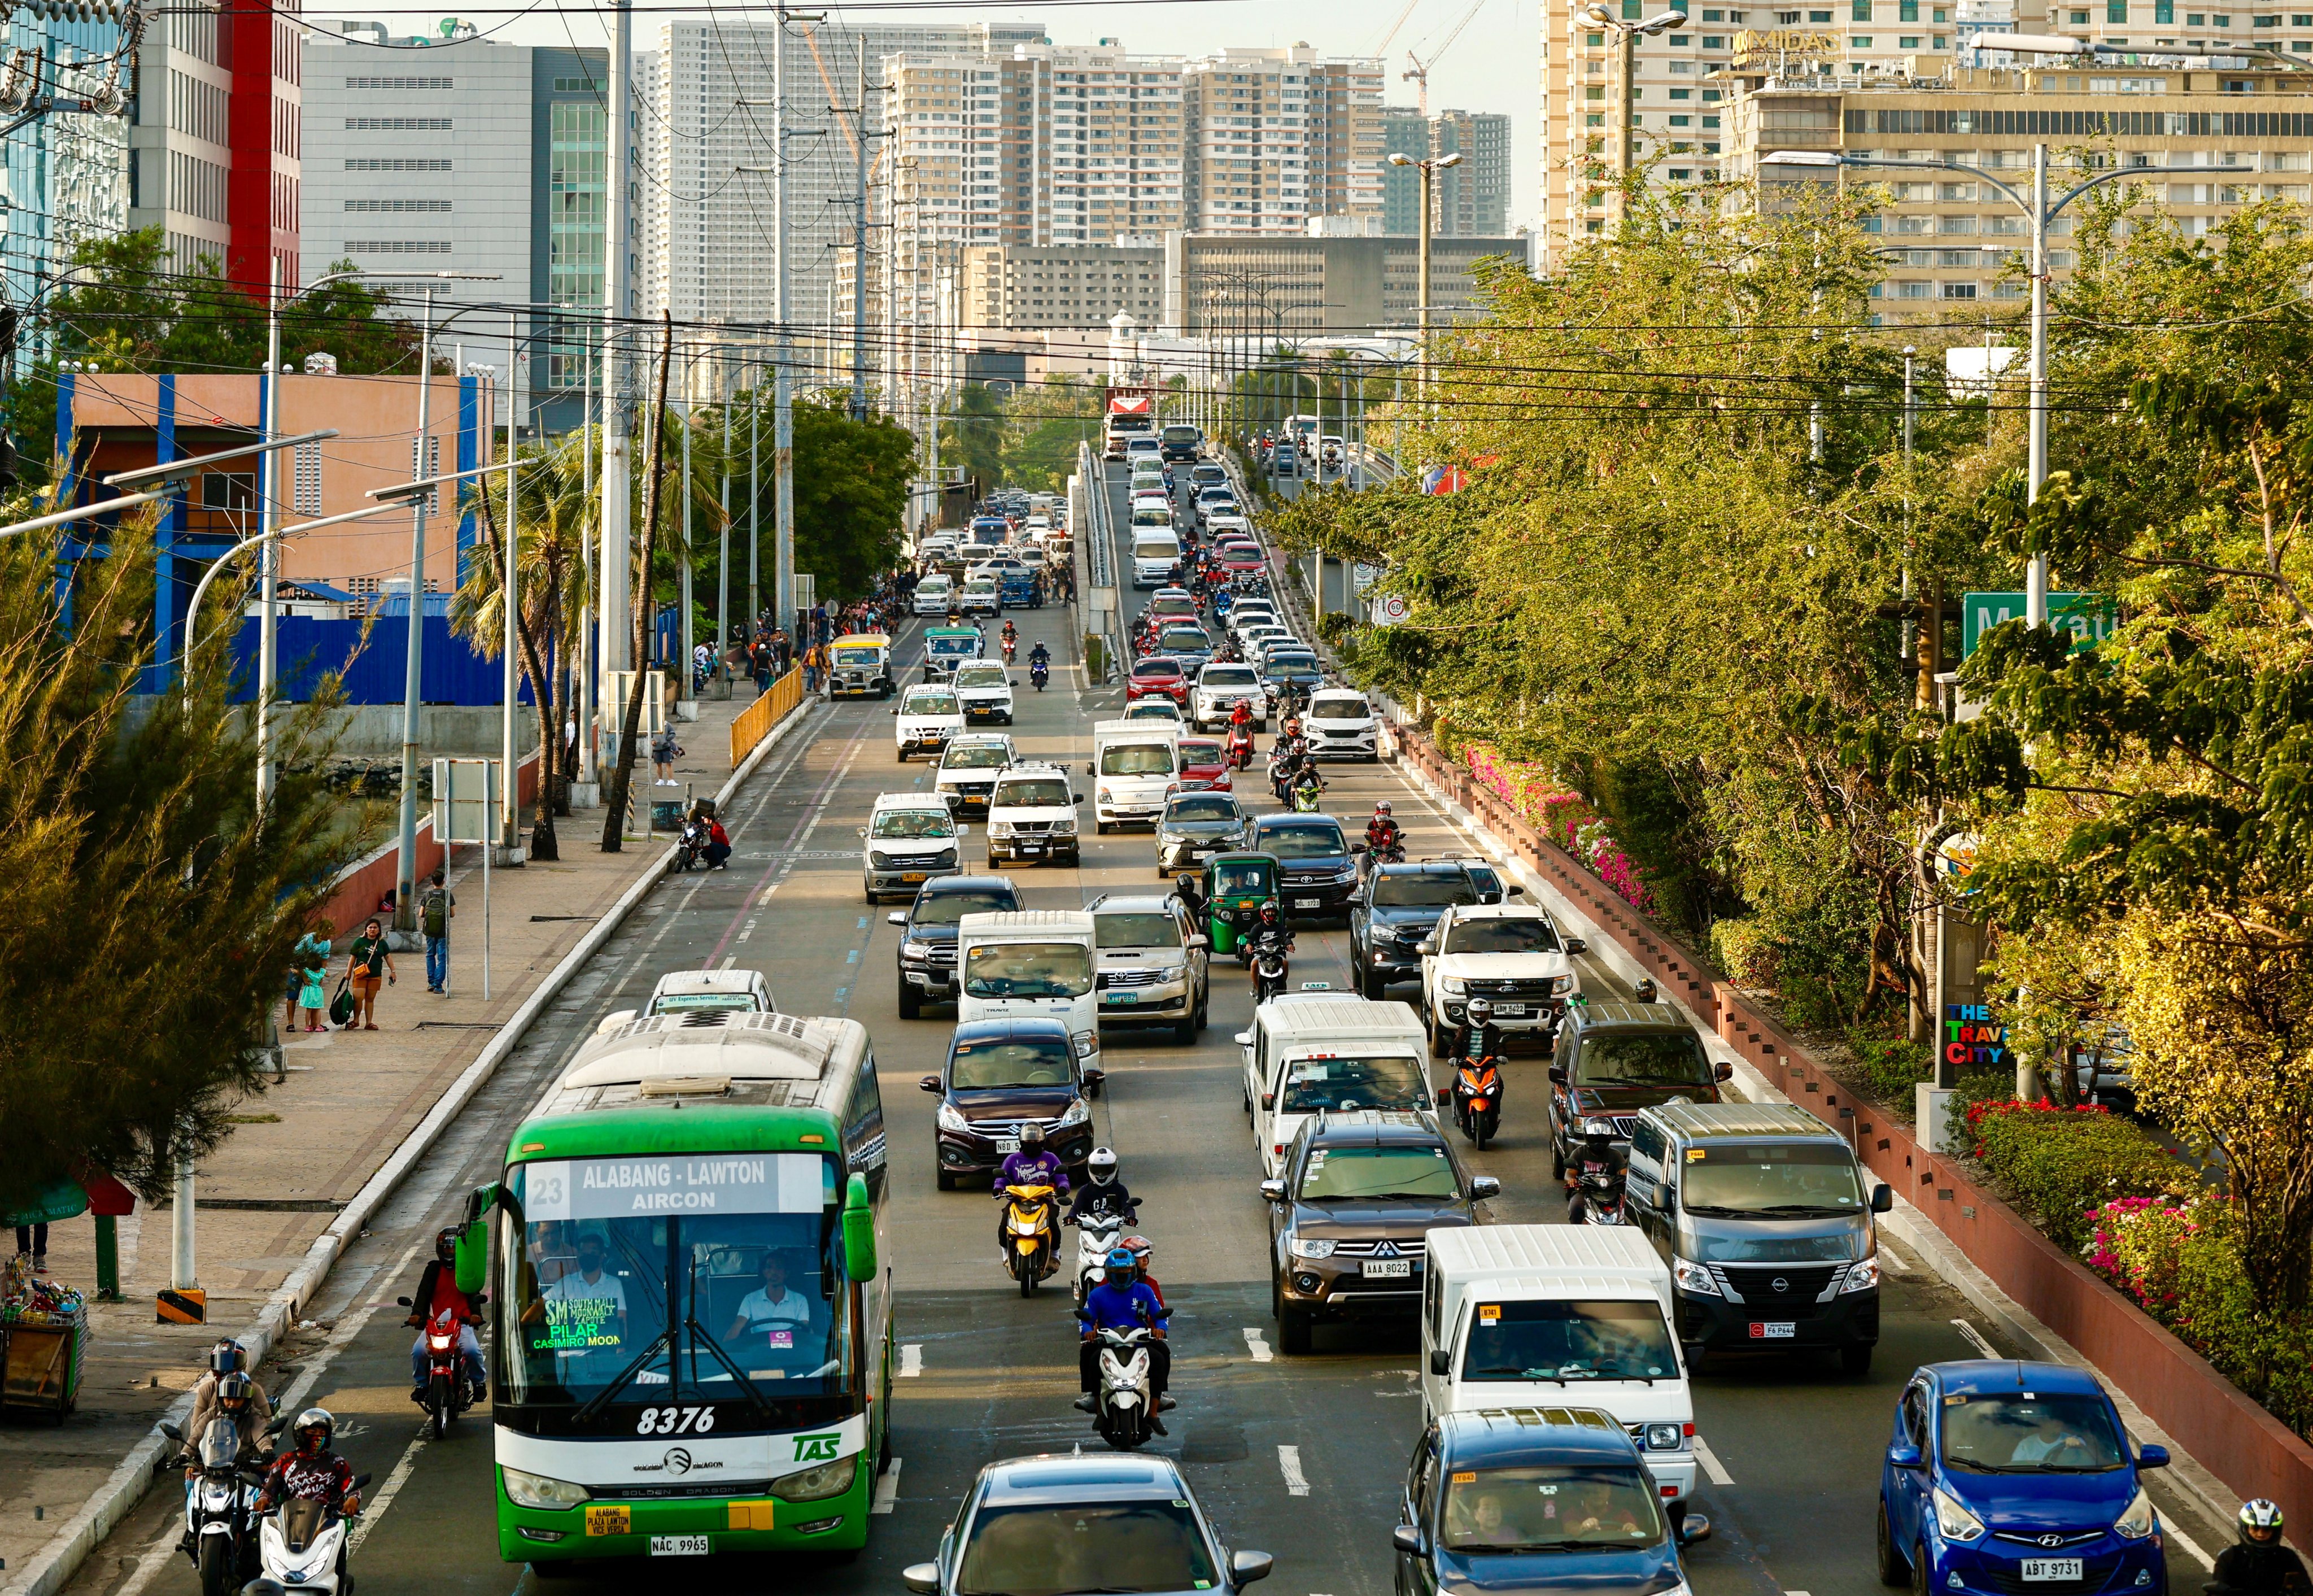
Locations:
(1510, 954)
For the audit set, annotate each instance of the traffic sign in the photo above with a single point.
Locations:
(2089, 616)
(1392, 609)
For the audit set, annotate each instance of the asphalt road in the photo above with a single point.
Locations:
(1793, 1444)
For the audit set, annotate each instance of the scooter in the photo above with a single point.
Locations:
(1039, 672)
(1477, 1100)
(301, 1544)
(1596, 1198)
(1125, 1409)
(1097, 1235)
(1240, 748)
(1308, 792)
(220, 1536)
(1028, 1231)
(448, 1390)
(1268, 977)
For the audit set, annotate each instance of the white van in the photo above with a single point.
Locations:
(931, 594)
(1038, 962)
(1307, 1055)
(1133, 763)
(1585, 1308)
(1154, 552)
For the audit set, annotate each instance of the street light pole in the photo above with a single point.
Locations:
(1421, 310)
(1626, 43)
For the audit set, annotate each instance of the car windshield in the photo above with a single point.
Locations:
(1303, 839)
(1136, 759)
(1311, 1084)
(1565, 1341)
(1531, 935)
(975, 756)
(2030, 1433)
(1354, 1172)
(982, 1066)
(912, 823)
(1027, 970)
(1229, 676)
(1030, 792)
(1349, 706)
(947, 908)
(845, 658)
(703, 1003)
(931, 703)
(1183, 637)
(1154, 709)
(981, 675)
(1041, 1550)
(1512, 1511)
(1202, 806)
(1135, 930)
(1802, 1180)
(1674, 1060)
(1422, 889)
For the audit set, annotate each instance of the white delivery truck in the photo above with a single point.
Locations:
(1036, 963)
(1133, 763)
(1304, 1055)
(1532, 1316)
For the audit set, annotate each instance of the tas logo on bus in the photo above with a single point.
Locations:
(817, 1448)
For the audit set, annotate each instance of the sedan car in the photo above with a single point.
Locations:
(1394, 910)
(1151, 967)
(927, 933)
(1186, 643)
(1204, 766)
(1002, 1074)
(1108, 1521)
(1349, 1211)
(980, 597)
(1171, 604)
(712, 992)
(1239, 558)
(2012, 1475)
(1317, 876)
(1195, 826)
(1158, 675)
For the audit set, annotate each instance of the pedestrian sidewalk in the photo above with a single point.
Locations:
(304, 1149)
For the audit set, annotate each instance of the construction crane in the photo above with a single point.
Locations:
(1383, 47)
(1419, 69)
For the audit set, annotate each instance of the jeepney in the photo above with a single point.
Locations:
(948, 647)
(859, 666)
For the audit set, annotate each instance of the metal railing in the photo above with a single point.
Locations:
(1093, 528)
(775, 704)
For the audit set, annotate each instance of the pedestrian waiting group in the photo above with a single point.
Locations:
(311, 1005)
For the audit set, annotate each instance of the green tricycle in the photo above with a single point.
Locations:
(1235, 886)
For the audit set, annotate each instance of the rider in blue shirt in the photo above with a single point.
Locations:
(1123, 1301)
(1033, 1165)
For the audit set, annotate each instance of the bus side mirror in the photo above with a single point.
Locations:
(471, 1258)
(858, 1231)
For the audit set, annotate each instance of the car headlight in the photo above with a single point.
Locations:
(816, 1485)
(1077, 1113)
(1665, 1438)
(535, 1490)
(915, 952)
(1313, 1246)
(1171, 973)
(1953, 1519)
(879, 858)
(1452, 986)
(1862, 1277)
(999, 828)
(1693, 1277)
(1560, 986)
(1105, 795)
(950, 1120)
(1065, 828)
(2140, 1520)
(1086, 1043)
(942, 860)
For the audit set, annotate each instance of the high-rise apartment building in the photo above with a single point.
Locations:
(1404, 131)
(1472, 197)
(1276, 136)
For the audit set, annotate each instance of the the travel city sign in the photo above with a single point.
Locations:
(2089, 616)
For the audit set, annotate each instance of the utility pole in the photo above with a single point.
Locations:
(755, 501)
(859, 251)
(618, 510)
(723, 552)
(405, 874)
(782, 376)
(588, 646)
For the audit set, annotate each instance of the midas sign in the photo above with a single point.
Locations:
(1751, 43)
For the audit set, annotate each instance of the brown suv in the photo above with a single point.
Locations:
(1350, 1215)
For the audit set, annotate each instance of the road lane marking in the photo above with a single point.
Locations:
(887, 1489)
(728, 961)
(863, 922)
(851, 957)
(1259, 1345)
(911, 1359)
(375, 1510)
(1289, 1463)
(1975, 1337)
(1889, 1258)
(1711, 1465)
(2187, 1542)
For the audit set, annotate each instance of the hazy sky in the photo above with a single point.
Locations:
(1491, 65)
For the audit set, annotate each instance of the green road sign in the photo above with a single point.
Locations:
(2090, 616)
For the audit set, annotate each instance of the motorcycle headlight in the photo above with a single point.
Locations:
(1862, 1277)
(1453, 986)
(816, 1485)
(1311, 1247)
(2140, 1520)
(1693, 1277)
(535, 1490)
(949, 1119)
(1953, 1519)
(1086, 1044)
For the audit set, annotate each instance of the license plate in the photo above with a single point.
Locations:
(1120, 998)
(2052, 1568)
(1388, 1269)
(610, 1520)
(1007, 1144)
(1308, 902)
(1512, 1011)
(1783, 1330)
(1031, 847)
(678, 1546)
(913, 875)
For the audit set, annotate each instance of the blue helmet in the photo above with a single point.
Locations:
(1119, 1266)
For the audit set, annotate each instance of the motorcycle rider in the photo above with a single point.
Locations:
(235, 1397)
(437, 1294)
(1011, 640)
(1382, 832)
(311, 1472)
(1120, 1303)
(1103, 1192)
(1269, 935)
(1597, 1155)
(227, 1361)
(2257, 1564)
(1476, 1039)
(1033, 1165)
(1142, 1254)
(1040, 658)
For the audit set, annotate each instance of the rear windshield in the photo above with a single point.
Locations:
(1371, 1172)
(1304, 839)
(1568, 1341)
(1136, 759)
(945, 908)
(1502, 936)
(1156, 670)
(1347, 1083)
(1182, 434)
(1183, 637)
(1038, 1551)
(1422, 891)
(1136, 931)
(980, 1065)
(1200, 751)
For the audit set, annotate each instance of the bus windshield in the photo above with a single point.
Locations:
(661, 1278)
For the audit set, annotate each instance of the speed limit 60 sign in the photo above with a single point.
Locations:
(1392, 609)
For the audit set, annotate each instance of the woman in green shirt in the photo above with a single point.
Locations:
(372, 962)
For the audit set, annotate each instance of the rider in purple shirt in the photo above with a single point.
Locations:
(1033, 1165)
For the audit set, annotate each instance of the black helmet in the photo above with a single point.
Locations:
(1101, 1165)
(225, 1357)
(234, 1390)
(313, 1419)
(1031, 1136)
(1597, 1130)
(445, 1240)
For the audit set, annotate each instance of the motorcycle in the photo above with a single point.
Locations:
(1240, 748)
(1389, 850)
(1309, 790)
(689, 848)
(219, 1532)
(1269, 970)
(1039, 672)
(1028, 1231)
(448, 1391)
(1126, 1407)
(302, 1545)
(1097, 1235)
(1477, 1100)
(1011, 647)
(1596, 1198)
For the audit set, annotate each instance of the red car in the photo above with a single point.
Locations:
(1236, 557)
(1204, 766)
(1154, 676)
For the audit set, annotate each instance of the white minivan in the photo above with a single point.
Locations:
(1307, 1055)
(1134, 763)
(1036, 963)
(1534, 1316)
(1154, 552)
(932, 594)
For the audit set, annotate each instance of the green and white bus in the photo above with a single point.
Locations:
(690, 1327)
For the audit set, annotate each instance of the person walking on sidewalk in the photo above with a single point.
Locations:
(370, 963)
(32, 1242)
(437, 907)
(313, 943)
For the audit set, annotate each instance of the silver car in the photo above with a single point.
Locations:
(1196, 825)
(1151, 964)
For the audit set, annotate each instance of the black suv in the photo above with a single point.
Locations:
(927, 945)
(1349, 1214)
(1317, 874)
(1397, 906)
(1613, 1060)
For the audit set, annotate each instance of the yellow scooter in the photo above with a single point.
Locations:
(1031, 1253)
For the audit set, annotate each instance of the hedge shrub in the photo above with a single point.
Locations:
(2064, 1164)
(1891, 1066)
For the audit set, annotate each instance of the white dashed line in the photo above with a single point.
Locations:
(911, 1359)
(1711, 1465)
(887, 1489)
(1975, 1337)
(1889, 1258)
(2169, 1529)
(374, 1509)
(1289, 1463)
(1258, 1345)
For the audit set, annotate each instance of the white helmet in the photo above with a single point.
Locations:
(1101, 1165)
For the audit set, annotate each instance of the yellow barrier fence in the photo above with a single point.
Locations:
(755, 722)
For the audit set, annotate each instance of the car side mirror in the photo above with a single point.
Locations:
(1883, 1198)
(1693, 1529)
(1723, 1072)
(923, 1577)
(1357, 848)
(929, 1083)
(1093, 1076)
(963, 830)
(1426, 946)
(1484, 1187)
(1557, 1076)
(173, 1433)
(1514, 890)
(1441, 1362)
(1904, 1455)
(1076, 798)
(896, 917)
(894, 711)
(1575, 945)
(861, 830)
(1198, 943)
(1444, 1096)
(2153, 1456)
(1244, 1567)
(1407, 1538)
(1273, 1190)
(1088, 770)
(1243, 1038)
(1268, 1102)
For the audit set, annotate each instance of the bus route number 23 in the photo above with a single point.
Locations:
(675, 1421)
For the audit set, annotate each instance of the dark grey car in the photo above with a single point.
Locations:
(1196, 825)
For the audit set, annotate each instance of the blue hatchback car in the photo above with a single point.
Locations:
(2014, 1478)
